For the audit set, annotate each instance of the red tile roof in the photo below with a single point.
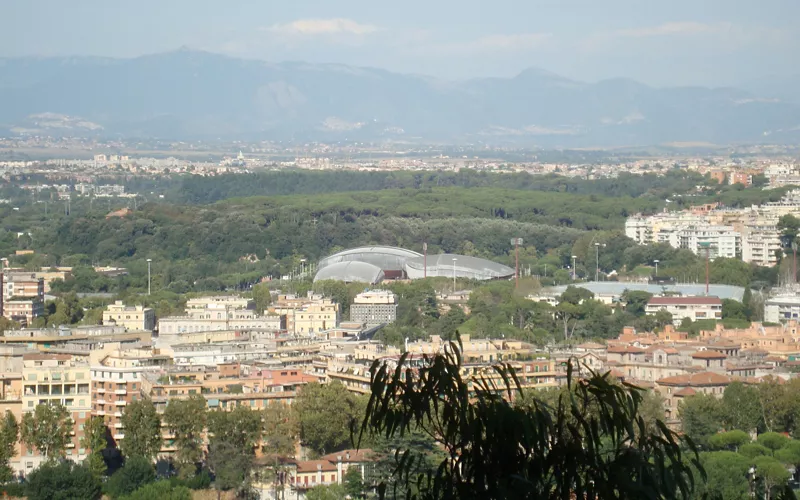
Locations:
(686, 391)
(315, 465)
(350, 456)
(668, 301)
(696, 380)
(709, 355)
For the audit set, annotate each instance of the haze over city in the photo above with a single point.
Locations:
(683, 42)
(340, 250)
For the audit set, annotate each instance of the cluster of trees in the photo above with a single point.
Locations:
(724, 427)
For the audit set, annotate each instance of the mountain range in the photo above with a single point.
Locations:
(188, 94)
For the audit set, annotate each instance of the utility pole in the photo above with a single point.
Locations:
(425, 259)
(597, 246)
(516, 242)
(574, 271)
(148, 275)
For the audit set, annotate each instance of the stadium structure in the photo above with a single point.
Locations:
(461, 266)
(373, 264)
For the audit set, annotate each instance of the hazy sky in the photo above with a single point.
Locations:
(708, 42)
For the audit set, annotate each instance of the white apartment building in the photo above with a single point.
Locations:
(782, 307)
(760, 244)
(374, 307)
(694, 308)
(722, 241)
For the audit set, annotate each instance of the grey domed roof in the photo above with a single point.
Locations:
(360, 272)
(465, 267)
(386, 258)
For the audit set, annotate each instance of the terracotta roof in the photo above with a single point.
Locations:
(686, 391)
(350, 456)
(709, 355)
(43, 357)
(590, 345)
(626, 349)
(315, 465)
(668, 301)
(696, 379)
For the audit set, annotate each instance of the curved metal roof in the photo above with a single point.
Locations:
(465, 267)
(386, 258)
(361, 272)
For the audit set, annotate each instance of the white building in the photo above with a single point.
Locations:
(374, 307)
(782, 307)
(722, 241)
(694, 308)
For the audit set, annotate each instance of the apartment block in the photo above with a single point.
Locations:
(374, 307)
(23, 311)
(22, 285)
(307, 315)
(57, 378)
(131, 317)
(694, 308)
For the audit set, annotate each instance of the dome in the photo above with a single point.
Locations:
(465, 267)
(360, 272)
(386, 258)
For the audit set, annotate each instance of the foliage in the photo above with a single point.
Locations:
(137, 472)
(47, 429)
(142, 430)
(324, 414)
(95, 441)
(231, 446)
(9, 433)
(752, 450)
(727, 476)
(771, 473)
(65, 480)
(162, 490)
(353, 483)
(700, 417)
(741, 407)
(773, 440)
(327, 492)
(186, 419)
(278, 431)
(495, 449)
(730, 440)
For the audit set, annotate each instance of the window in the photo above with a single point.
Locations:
(83, 413)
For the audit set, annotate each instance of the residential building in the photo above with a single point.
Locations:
(23, 311)
(116, 376)
(61, 378)
(783, 306)
(694, 308)
(374, 307)
(308, 315)
(131, 317)
(22, 285)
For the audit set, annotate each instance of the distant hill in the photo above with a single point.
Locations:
(191, 94)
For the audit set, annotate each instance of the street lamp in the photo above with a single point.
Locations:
(148, 275)
(454, 274)
(597, 246)
(574, 272)
(656, 262)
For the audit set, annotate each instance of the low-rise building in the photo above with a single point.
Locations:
(23, 311)
(694, 308)
(131, 317)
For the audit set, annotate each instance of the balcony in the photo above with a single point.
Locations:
(121, 392)
(100, 401)
(100, 413)
(120, 403)
(118, 414)
(100, 390)
(118, 425)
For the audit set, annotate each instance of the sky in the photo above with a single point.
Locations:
(662, 43)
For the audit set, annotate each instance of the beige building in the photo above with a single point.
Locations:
(62, 378)
(23, 311)
(374, 307)
(22, 285)
(131, 317)
(307, 315)
(116, 375)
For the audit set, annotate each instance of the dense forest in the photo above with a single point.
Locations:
(211, 234)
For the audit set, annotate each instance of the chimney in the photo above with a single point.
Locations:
(339, 469)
